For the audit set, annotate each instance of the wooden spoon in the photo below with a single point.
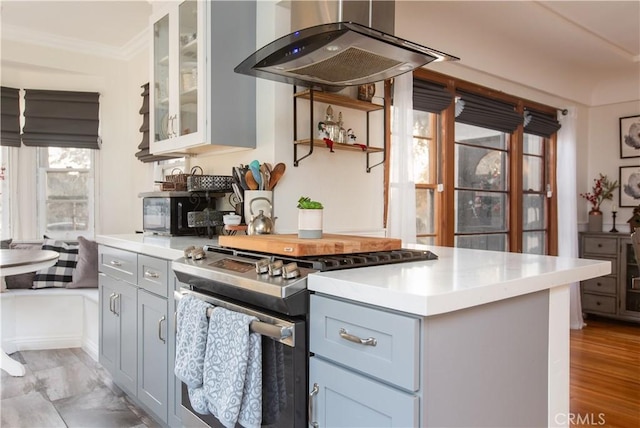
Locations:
(252, 184)
(276, 174)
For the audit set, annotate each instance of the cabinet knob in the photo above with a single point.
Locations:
(598, 303)
(599, 245)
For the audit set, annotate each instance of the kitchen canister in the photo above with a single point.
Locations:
(255, 201)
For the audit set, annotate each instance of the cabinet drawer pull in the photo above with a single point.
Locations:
(160, 329)
(371, 341)
(115, 263)
(312, 395)
(151, 274)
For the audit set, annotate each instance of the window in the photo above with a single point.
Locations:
(534, 202)
(481, 188)
(425, 142)
(483, 167)
(65, 192)
(5, 214)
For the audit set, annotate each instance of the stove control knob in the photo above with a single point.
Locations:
(275, 268)
(262, 266)
(290, 271)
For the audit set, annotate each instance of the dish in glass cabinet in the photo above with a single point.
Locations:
(164, 126)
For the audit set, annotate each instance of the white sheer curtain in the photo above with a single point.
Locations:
(567, 205)
(401, 216)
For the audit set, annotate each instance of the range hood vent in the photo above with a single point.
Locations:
(335, 55)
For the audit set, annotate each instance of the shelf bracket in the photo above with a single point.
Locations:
(296, 159)
(384, 152)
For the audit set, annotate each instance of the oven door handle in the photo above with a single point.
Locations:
(275, 328)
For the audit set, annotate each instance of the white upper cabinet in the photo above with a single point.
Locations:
(198, 103)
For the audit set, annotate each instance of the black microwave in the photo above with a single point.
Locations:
(165, 213)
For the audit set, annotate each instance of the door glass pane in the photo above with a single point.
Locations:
(161, 78)
(481, 187)
(479, 212)
(533, 212)
(188, 67)
(494, 242)
(424, 211)
(532, 144)
(533, 243)
(532, 174)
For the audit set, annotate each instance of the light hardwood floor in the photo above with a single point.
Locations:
(605, 374)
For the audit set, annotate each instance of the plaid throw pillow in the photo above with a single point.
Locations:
(60, 274)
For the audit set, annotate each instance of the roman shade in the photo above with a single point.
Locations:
(430, 97)
(540, 124)
(485, 112)
(10, 120)
(61, 119)
(143, 154)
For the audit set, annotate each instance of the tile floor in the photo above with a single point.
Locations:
(65, 388)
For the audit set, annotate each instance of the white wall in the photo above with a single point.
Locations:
(604, 156)
(354, 199)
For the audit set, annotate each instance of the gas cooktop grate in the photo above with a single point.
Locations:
(349, 261)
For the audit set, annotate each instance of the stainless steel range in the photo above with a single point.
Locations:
(272, 288)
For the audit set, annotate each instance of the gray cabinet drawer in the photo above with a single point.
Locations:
(597, 303)
(118, 263)
(604, 284)
(153, 274)
(597, 245)
(346, 399)
(394, 357)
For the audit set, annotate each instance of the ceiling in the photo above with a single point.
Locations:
(598, 39)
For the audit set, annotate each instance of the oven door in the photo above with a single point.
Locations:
(284, 369)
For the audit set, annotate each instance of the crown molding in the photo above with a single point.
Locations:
(124, 53)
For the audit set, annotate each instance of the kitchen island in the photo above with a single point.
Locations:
(475, 338)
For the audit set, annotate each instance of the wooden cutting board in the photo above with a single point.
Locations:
(291, 245)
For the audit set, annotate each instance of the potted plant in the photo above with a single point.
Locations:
(309, 218)
(601, 191)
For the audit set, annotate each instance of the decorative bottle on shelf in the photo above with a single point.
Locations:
(332, 127)
(342, 133)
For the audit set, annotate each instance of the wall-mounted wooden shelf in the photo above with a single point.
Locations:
(336, 100)
(341, 146)
(339, 100)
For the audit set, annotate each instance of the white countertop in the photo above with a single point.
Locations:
(459, 279)
(164, 247)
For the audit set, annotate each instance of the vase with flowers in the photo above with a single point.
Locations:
(602, 190)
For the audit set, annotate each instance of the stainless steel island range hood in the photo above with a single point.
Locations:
(335, 55)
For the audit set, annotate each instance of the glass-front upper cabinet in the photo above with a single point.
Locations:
(177, 70)
(199, 102)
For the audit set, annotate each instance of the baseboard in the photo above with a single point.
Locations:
(45, 342)
(91, 348)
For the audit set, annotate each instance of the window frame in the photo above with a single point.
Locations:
(444, 197)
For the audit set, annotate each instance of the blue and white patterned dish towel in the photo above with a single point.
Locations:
(233, 370)
(191, 340)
